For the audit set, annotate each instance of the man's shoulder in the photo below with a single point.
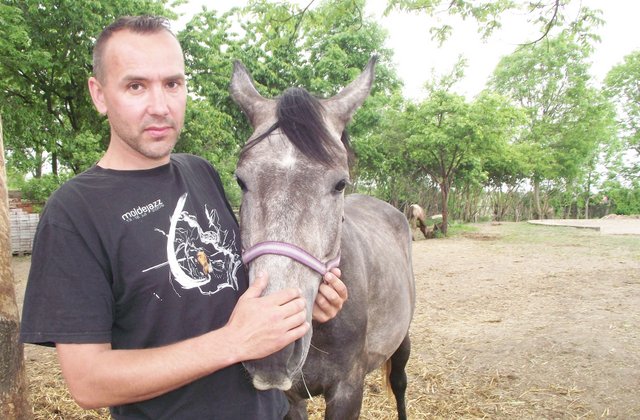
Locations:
(75, 184)
(189, 159)
(194, 164)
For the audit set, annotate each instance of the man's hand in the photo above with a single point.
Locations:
(331, 296)
(263, 325)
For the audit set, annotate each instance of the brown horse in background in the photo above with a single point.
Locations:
(417, 218)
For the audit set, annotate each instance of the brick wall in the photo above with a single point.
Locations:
(23, 223)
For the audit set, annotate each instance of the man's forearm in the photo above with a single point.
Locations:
(98, 376)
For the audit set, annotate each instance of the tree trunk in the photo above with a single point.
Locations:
(54, 163)
(39, 164)
(536, 199)
(444, 188)
(587, 200)
(14, 401)
(587, 203)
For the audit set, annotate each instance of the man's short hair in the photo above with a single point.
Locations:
(143, 24)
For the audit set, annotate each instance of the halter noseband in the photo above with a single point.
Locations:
(289, 250)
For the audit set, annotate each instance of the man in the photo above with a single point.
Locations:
(136, 276)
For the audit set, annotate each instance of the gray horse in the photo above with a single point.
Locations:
(296, 223)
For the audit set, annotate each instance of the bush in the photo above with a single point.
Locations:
(38, 190)
(625, 200)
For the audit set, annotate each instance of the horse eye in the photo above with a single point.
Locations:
(241, 184)
(341, 185)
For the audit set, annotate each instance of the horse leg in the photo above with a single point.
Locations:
(423, 227)
(344, 401)
(412, 225)
(398, 375)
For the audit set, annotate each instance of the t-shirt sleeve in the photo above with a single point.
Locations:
(68, 297)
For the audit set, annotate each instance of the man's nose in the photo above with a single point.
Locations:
(158, 104)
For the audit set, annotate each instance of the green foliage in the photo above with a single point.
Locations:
(621, 86)
(207, 134)
(381, 166)
(541, 123)
(45, 63)
(550, 16)
(569, 123)
(15, 179)
(486, 13)
(38, 190)
(625, 200)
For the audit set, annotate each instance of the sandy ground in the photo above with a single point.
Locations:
(536, 321)
(512, 321)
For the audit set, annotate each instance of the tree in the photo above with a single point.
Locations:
(14, 403)
(568, 120)
(381, 165)
(440, 140)
(451, 139)
(500, 161)
(547, 15)
(621, 86)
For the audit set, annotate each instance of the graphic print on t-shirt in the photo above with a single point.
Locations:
(200, 258)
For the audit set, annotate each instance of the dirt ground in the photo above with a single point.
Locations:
(513, 320)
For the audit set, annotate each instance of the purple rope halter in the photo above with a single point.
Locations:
(289, 250)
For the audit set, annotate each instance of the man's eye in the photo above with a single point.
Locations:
(135, 86)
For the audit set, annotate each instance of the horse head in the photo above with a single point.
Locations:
(293, 172)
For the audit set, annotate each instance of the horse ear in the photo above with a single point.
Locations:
(342, 106)
(243, 92)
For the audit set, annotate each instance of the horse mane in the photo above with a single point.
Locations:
(299, 116)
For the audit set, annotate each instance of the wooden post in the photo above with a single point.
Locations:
(14, 401)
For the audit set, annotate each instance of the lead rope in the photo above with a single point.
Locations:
(305, 385)
(321, 351)
(302, 373)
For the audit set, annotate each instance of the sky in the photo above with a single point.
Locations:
(417, 58)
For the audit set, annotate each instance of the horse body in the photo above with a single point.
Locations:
(374, 322)
(292, 196)
(376, 243)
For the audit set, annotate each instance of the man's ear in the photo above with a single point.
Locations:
(97, 95)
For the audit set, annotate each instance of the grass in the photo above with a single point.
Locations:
(523, 232)
(456, 229)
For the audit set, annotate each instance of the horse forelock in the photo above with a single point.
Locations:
(300, 118)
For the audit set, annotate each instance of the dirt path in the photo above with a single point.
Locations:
(610, 225)
(512, 321)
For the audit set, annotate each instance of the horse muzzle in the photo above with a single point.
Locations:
(279, 369)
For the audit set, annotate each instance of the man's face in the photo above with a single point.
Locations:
(143, 94)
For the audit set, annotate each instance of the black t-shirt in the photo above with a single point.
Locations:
(142, 259)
